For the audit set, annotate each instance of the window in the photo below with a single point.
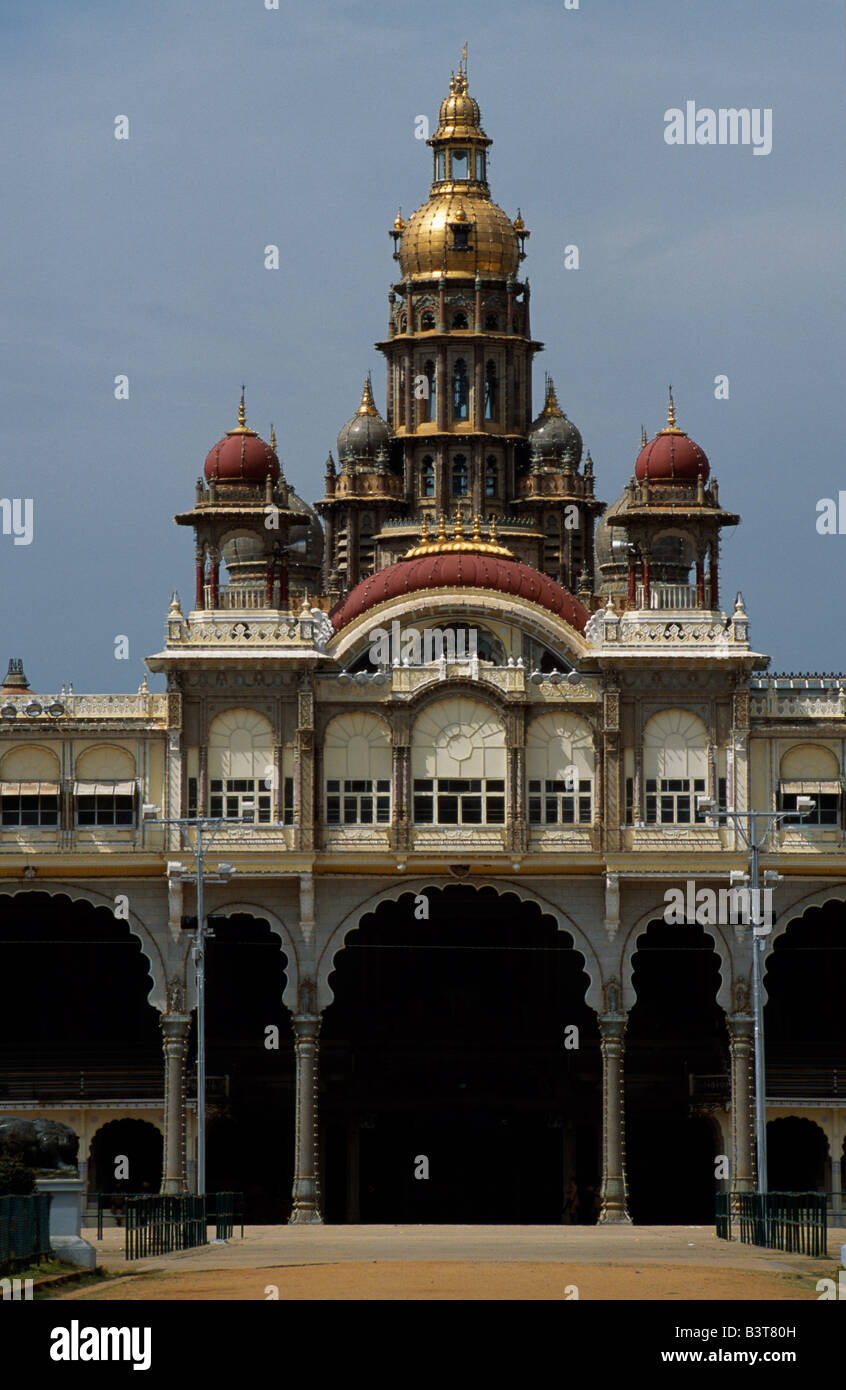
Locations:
(825, 812)
(229, 794)
(460, 482)
(192, 796)
(560, 803)
(460, 235)
(427, 478)
(352, 801)
(459, 390)
(105, 809)
(491, 391)
(427, 323)
(491, 323)
(288, 802)
(30, 808)
(491, 477)
(629, 801)
(459, 164)
(460, 320)
(670, 800)
(440, 164)
(459, 801)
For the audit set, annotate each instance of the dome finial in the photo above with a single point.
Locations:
(551, 406)
(671, 427)
(273, 438)
(242, 417)
(643, 436)
(367, 406)
(442, 535)
(458, 533)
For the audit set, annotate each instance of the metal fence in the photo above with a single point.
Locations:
(158, 1225)
(24, 1229)
(794, 1222)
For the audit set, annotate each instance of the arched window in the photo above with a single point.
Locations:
(403, 322)
(808, 769)
(491, 391)
(241, 767)
(458, 765)
(357, 767)
(440, 165)
(491, 323)
(458, 164)
(560, 766)
(459, 390)
(427, 323)
(429, 403)
(675, 767)
(30, 787)
(459, 320)
(427, 477)
(491, 477)
(460, 481)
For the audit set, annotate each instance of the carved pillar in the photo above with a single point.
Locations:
(214, 579)
(441, 309)
(200, 601)
(401, 792)
(647, 586)
(478, 305)
(408, 371)
(700, 582)
(611, 763)
(278, 784)
(478, 413)
(741, 1029)
(175, 1027)
(304, 772)
(714, 573)
(306, 1191)
(614, 1190)
(203, 780)
(270, 577)
(515, 803)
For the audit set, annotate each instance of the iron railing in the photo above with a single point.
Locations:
(159, 1225)
(24, 1229)
(794, 1222)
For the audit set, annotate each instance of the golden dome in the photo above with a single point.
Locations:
(459, 115)
(426, 248)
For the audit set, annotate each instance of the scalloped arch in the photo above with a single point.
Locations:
(293, 967)
(335, 943)
(156, 994)
(721, 946)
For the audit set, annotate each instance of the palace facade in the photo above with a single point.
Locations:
(453, 723)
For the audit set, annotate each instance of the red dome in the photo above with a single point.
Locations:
(460, 571)
(671, 457)
(241, 457)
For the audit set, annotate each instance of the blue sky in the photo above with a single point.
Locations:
(296, 127)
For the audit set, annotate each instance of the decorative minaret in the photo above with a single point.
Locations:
(458, 419)
(241, 518)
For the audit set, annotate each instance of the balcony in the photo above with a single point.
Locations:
(243, 596)
(668, 596)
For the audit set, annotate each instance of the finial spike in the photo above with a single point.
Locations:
(458, 534)
(643, 436)
(671, 413)
(477, 534)
(493, 529)
(273, 438)
(424, 533)
(242, 417)
(442, 535)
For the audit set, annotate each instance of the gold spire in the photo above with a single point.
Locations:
(671, 427)
(241, 427)
(367, 406)
(399, 222)
(643, 436)
(442, 544)
(519, 224)
(273, 438)
(551, 406)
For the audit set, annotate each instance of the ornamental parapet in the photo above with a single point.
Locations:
(809, 696)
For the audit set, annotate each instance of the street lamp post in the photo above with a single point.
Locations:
(178, 873)
(754, 827)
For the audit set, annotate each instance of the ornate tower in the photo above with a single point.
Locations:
(459, 352)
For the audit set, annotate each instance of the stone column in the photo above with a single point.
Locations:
(175, 1027)
(741, 1029)
(614, 1190)
(306, 1191)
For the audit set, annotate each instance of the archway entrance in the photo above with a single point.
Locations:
(447, 1091)
(797, 1150)
(250, 1069)
(138, 1144)
(676, 1030)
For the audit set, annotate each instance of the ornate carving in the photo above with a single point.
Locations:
(741, 997)
(176, 997)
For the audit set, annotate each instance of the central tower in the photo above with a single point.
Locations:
(458, 431)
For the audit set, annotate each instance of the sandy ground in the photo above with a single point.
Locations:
(393, 1263)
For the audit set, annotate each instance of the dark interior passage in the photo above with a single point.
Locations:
(125, 1144)
(676, 1030)
(250, 1086)
(446, 1042)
